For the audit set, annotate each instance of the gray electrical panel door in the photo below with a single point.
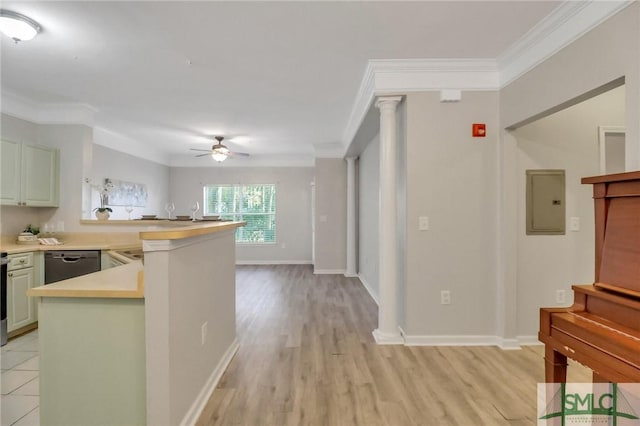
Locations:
(545, 202)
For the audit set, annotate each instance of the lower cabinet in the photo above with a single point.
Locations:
(22, 275)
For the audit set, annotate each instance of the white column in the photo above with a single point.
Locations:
(387, 332)
(351, 218)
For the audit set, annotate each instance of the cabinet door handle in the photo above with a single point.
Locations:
(10, 274)
(23, 260)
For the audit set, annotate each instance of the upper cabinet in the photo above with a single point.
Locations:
(30, 175)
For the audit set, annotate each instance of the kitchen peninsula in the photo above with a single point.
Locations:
(142, 343)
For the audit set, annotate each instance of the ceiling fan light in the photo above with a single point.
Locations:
(219, 156)
(17, 26)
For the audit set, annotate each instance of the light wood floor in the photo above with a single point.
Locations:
(307, 357)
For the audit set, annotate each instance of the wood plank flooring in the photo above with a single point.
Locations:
(307, 357)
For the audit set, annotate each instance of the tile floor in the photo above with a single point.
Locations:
(20, 387)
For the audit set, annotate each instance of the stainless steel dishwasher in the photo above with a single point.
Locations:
(61, 265)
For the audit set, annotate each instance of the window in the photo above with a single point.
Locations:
(254, 204)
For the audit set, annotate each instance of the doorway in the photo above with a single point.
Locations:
(581, 140)
(611, 140)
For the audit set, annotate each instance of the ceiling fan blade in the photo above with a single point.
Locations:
(241, 154)
(203, 150)
(203, 155)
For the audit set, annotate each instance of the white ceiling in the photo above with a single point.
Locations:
(285, 75)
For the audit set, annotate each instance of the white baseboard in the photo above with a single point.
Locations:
(328, 271)
(417, 340)
(529, 340)
(205, 393)
(462, 340)
(366, 285)
(273, 262)
(508, 344)
(388, 339)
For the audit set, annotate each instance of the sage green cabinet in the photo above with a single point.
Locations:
(23, 273)
(30, 175)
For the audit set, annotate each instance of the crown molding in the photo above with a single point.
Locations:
(567, 23)
(560, 28)
(397, 76)
(361, 104)
(419, 75)
(47, 113)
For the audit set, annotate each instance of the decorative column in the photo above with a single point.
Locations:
(387, 332)
(351, 218)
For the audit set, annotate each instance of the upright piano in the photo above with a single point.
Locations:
(602, 329)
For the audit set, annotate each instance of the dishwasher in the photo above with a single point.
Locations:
(61, 265)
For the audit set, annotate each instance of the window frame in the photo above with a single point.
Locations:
(240, 216)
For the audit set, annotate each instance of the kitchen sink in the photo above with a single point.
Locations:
(132, 254)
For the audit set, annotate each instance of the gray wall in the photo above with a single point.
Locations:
(293, 206)
(331, 215)
(566, 140)
(108, 163)
(368, 197)
(451, 178)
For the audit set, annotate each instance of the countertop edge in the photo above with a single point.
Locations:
(189, 231)
(17, 248)
(120, 282)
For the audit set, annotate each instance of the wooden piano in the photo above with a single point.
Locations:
(602, 328)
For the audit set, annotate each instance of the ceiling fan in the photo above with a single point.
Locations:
(218, 151)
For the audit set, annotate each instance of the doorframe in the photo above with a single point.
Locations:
(603, 131)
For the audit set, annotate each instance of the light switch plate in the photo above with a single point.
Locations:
(423, 223)
(574, 223)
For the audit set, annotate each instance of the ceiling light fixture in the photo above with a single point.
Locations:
(18, 26)
(220, 154)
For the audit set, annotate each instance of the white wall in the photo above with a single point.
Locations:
(451, 178)
(293, 206)
(79, 158)
(72, 141)
(108, 163)
(331, 215)
(190, 282)
(368, 205)
(566, 140)
(608, 52)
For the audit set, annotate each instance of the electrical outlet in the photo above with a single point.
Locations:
(283, 245)
(423, 223)
(560, 296)
(445, 297)
(204, 331)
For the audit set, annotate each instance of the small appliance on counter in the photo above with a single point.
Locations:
(3, 293)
